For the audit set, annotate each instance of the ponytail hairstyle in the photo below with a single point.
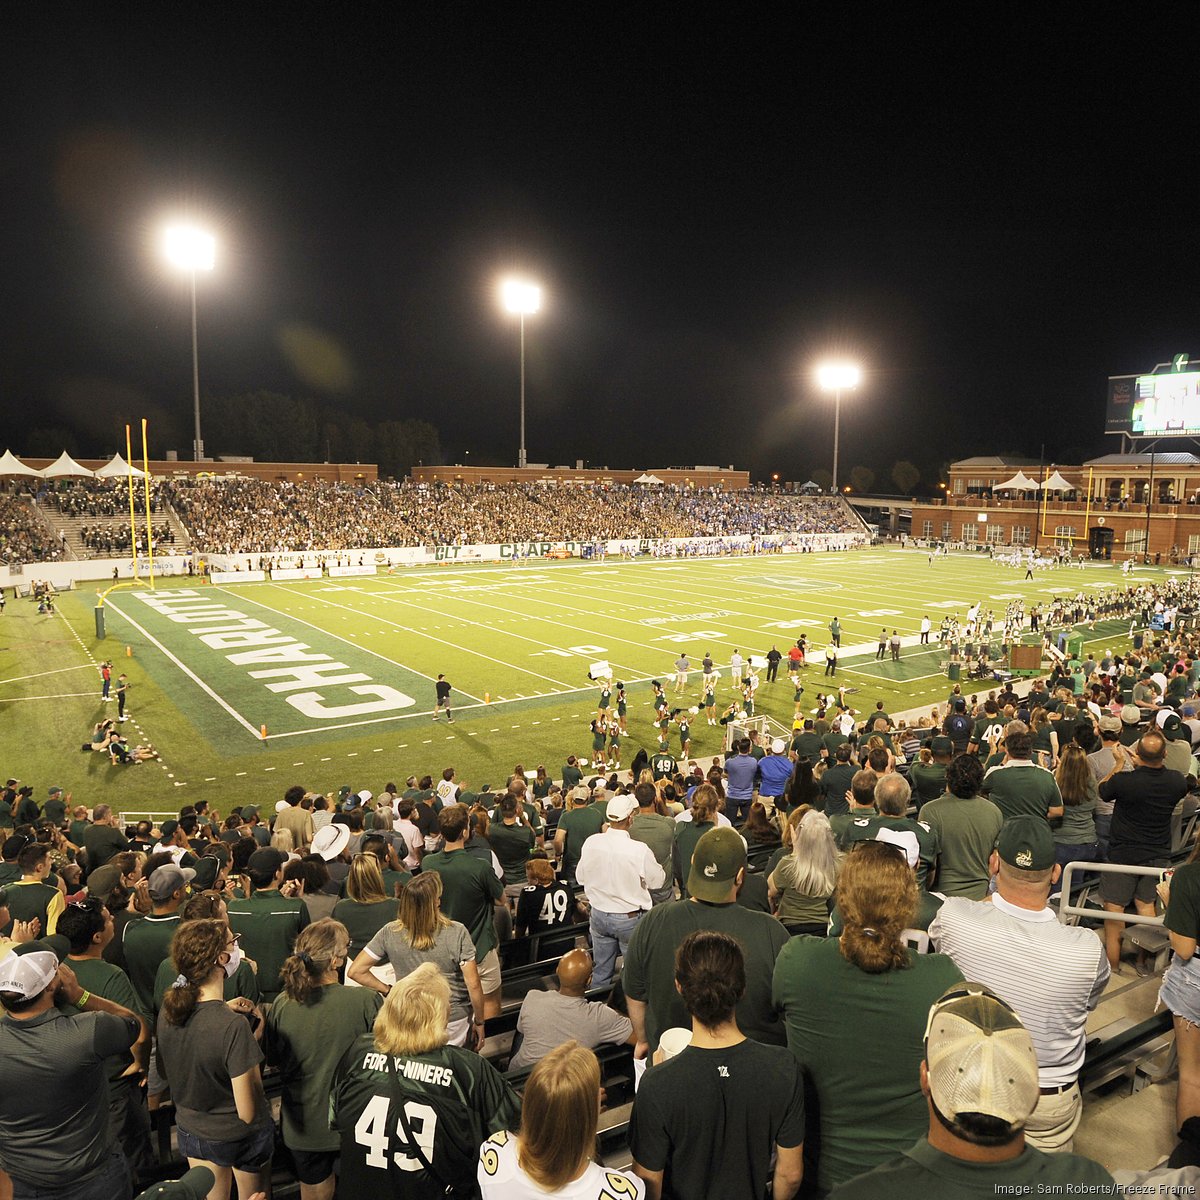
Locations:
(196, 950)
(705, 803)
(877, 897)
(317, 948)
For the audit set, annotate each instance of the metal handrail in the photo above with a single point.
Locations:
(1066, 909)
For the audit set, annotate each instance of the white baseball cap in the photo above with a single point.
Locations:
(30, 973)
(330, 840)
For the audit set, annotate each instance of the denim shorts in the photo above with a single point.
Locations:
(251, 1153)
(1180, 991)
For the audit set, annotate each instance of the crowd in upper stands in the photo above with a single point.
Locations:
(837, 954)
(229, 516)
(24, 538)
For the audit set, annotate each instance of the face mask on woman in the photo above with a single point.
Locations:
(235, 961)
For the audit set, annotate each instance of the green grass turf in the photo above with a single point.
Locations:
(523, 637)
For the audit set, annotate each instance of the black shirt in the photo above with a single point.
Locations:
(1144, 800)
(443, 690)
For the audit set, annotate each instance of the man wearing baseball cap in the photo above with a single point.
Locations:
(1053, 975)
(147, 941)
(716, 876)
(774, 773)
(268, 920)
(980, 1079)
(54, 1111)
(618, 875)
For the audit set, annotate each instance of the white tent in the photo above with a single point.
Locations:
(64, 465)
(1056, 483)
(647, 479)
(1020, 482)
(118, 468)
(11, 465)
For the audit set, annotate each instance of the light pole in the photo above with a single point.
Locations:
(191, 250)
(523, 298)
(837, 377)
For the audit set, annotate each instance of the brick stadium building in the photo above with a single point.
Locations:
(1118, 505)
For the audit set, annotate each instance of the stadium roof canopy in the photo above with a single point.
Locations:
(118, 468)
(11, 465)
(1173, 458)
(62, 466)
(992, 462)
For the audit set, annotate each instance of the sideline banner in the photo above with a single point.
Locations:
(237, 576)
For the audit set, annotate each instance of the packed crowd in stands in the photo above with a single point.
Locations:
(114, 538)
(835, 957)
(245, 515)
(98, 497)
(24, 538)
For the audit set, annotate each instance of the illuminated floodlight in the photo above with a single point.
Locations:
(521, 297)
(837, 376)
(189, 248)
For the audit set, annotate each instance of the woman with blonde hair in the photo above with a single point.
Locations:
(213, 1061)
(309, 1028)
(552, 1154)
(801, 887)
(411, 1111)
(422, 934)
(367, 907)
(545, 902)
(868, 1059)
(1044, 738)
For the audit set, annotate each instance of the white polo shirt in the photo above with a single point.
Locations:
(617, 873)
(1051, 974)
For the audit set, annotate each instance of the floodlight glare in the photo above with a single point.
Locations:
(520, 296)
(522, 299)
(189, 248)
(835, 376)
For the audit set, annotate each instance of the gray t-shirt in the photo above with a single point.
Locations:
(200, 1059)
(54, 1098)
(548, 1019)
(451, 948)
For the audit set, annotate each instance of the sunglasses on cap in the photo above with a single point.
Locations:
(966, 991)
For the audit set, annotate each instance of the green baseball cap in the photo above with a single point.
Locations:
(1026, 843)
(719, 855)
(195, 1185)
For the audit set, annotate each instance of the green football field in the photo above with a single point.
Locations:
(340, 673)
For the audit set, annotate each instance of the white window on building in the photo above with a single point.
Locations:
(970, 533)
(1064, 535)
(1193, 544)
(960, 486)
(1020, 535)
(1135, 541)
(947, 530)
(927, 529)
(995, 535)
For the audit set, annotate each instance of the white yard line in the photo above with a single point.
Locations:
(42, 674)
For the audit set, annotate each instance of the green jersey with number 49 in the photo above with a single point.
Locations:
(449, 1099)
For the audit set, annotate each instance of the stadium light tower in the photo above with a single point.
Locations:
(191, 249)
(837, 377)
(524, 299)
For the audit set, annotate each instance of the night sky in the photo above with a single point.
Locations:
(991, 207)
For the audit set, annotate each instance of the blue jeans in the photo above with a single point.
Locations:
(610, 932)
(108, 1182)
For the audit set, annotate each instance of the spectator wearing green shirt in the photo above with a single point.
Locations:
(512, 839)
(269, 920)
(147, 941)
(575, 826)
(572, 776)
(88, 926)
(308, 1029)
(470, 891)
(965, 825)
(103, 838)
(367, 907)
(979, 1080)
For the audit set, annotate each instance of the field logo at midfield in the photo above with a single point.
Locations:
(284, 664)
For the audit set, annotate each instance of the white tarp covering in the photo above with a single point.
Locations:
(64, 465)
(11, 465)
(118, 468)
(1020, 482)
